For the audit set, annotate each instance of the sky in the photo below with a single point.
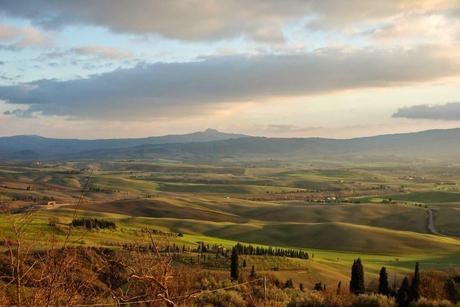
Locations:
(292, 68)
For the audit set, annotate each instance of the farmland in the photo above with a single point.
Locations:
(336, 214)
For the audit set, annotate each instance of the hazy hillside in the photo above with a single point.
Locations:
(37, 147)
(427, 144)
(212, 144)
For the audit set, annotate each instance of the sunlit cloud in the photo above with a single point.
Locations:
(173, 89)
(12, 37)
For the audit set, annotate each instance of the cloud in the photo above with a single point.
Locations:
(103, 52)
(448, 111)
(97, 51)
(19, 113)
(179, 89)
(415, 28)
(286, 129)
(213, 20)
(13, 37)
(336, 14)
(186, 20)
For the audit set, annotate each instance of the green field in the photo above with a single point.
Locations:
(379, 214)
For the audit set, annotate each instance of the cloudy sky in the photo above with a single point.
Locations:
(332, 68)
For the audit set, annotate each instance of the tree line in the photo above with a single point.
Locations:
(407, 293)
(90, 223)
(243, 249)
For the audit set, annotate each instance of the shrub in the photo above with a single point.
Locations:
(373, 300)
(53, 221)
(275, 296)
(300, 299)
(432, 285)
(222, 298)
(423, 302)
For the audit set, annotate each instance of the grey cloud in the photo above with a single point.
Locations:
(19, 113)
(209, 19)
(6, 78)
(188, 20)
(177, 89)
(448, 111)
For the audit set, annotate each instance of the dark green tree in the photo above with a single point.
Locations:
(339, 287)
(452, 290)
(289, 284)
(415, 285)
(383, 282)
(244, 263)
(357, 277)
(301, 287)
(234, 265)
(253, 272)
(403, 294)
(319, 286)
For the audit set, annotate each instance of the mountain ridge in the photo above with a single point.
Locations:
(212, 143)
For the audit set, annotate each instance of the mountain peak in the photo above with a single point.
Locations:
(211, 130)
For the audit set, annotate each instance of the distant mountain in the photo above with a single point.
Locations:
(26, 147)
(432, 144)
(214, 145)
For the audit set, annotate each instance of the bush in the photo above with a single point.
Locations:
(53, 221)
(222, 298)
(423, 302)
(313, 299)
(373, 300)
(4, 298)
(275, 296)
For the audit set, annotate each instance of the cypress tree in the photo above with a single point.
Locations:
(234, 270)
(301, 287)
(319, 286)
(339, 287)
(415, 286)
(289, 284)
(402, 297)
(453, 290)
(357, 277)
(383, 282)
(253, 272)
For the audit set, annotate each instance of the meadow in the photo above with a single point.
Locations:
(337, 214)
